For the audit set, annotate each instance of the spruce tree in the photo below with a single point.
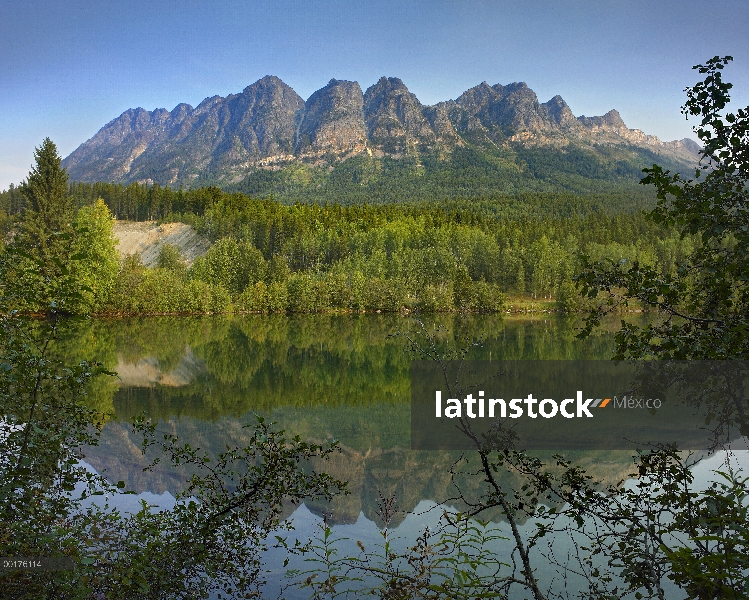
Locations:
(42, 244)
(49, 207)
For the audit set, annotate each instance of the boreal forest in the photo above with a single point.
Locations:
(489, 253)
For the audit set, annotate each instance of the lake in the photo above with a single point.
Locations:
(324, 377)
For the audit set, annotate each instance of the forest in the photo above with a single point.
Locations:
(658, 534)
(420, 256)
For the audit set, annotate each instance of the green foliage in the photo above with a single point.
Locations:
(6, 225)
(51, 244)
(140, 290)
(230, 264)
(698, 538)
(45, 230)
(171, 259)
(132, 273)
(141, 202)
(704, 296)
(209, 542)
(720, 534)
(469, 171)
(456, 561)
(408, 257)
(12, 200)
(398, 257)
(44, 422)
(97, 269)
(567, 297)
(48, 207)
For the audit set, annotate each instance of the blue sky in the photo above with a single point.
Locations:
(68, 68)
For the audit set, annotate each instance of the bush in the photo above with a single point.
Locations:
(488, 297)
(386, 295)
(436, 298)
(147, 291)
(307, 293)
(171, 259)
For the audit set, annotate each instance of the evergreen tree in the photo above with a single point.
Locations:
(43, 239)
(49, 208)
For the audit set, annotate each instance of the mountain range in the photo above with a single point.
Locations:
(267, 139)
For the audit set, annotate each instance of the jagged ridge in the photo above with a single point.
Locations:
(268, 126)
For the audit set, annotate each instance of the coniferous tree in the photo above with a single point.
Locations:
(49, 208)
(42, 241)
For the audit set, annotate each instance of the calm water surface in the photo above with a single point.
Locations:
(323, 377)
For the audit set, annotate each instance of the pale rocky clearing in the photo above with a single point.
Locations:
(146, 239)
(147, 372)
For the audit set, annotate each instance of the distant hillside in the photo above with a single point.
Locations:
(382, 144)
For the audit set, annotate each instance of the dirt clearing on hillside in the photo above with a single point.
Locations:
(147, 238)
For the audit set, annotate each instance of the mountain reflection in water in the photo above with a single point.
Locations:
(323, 377)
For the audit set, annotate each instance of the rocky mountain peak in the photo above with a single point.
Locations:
(207, 104)
(559, 112)
(264, 117)
(690, 145)
(518, 87)
(181, 110)
(268, 125)
(507, 109)
(478, 97)
(269, 82)
(611, 120)
(395, 117)
(333, 119)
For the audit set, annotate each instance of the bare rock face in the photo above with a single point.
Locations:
(395, 117)
(268, 125)
(333, 120)
(439, 117)
(518, 109)
(264, 116)
(169, 147)
(109, 155)
(512, 108)
(611, 121)
(559, 113)
(477, 99)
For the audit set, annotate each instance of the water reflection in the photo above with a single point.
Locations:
(322, 377)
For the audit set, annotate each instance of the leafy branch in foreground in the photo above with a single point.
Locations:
(704, 306)
(455, 560)
(52, 505)
(44, 422)
(213, 538)
(569, 535)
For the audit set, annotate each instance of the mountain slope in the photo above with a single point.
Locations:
(268, 140)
